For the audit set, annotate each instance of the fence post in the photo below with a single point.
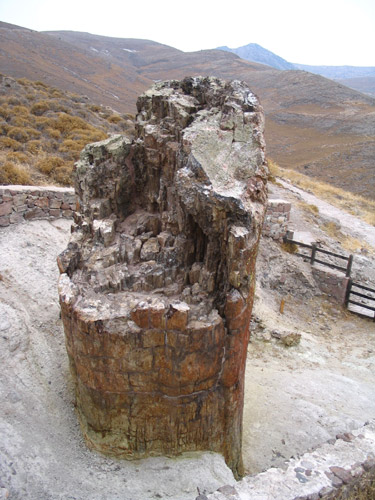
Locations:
(349, 266)
(313, 252)
(347, 294)
(289, 235)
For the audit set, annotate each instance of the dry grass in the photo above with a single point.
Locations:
(289, 247)
(347, 242)
(363, 490)
(307, 207)
(43, 130)
(356, 205)
(12, 173)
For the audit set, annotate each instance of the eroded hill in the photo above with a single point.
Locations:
(313, 124)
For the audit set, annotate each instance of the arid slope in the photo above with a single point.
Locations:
(313, 124)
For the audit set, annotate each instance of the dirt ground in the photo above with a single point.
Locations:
(296, 397)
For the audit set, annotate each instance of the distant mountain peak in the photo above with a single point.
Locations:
(256, 53)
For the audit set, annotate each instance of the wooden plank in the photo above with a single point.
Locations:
(331, 253)
(305, 245)
(362, 295)
(362, 305)
(363, 287)
(331, 265)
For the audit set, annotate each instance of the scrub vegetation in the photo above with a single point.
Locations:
(43, 130)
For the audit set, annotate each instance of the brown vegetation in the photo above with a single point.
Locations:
(43, 130)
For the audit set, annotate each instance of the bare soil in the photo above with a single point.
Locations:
(296, 397)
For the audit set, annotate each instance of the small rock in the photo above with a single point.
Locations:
(346, 436)
(290, 339)
(341, 473)
(301, 478)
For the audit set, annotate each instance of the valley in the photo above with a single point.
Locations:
(314, 125)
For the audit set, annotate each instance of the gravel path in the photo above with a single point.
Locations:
(349, 223)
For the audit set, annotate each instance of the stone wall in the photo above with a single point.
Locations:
(341, 468)
(276, 220)
(20, 203)
(331, 282)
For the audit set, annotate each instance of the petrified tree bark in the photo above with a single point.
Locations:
(157, 282)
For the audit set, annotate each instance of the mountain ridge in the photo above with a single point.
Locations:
(313, 124)
(360, 78)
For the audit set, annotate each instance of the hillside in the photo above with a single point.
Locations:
(313, 124)
(43, 130)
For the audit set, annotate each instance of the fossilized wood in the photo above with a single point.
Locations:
(157, 282)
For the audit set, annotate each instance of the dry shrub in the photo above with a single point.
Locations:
(66, 123)
(34, 147)
(289, 247)
(17, 156)
(307, 207)
(39, 108)
(5, 112)
(4, 127)
(8, 143)
(25, 82)
(33, 133)
(49, 164)
(18, 134)
(19, 121)
(53, 133)
(56, 92)
(20, 110)
(69, 146)
(95, 108)
(42, 122)
(11, 173)
(114, 119)
(364, 489)
(63, 175)
(30, 97)
(13, 101)
(38, 83)
(86, 136)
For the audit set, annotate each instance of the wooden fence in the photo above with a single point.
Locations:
(362, 299)
(365, 298)
(315, 250)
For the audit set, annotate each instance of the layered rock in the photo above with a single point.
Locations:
(157, 282)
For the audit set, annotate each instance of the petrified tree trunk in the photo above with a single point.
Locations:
(157, 282)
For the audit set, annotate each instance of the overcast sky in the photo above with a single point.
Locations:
(322, 32)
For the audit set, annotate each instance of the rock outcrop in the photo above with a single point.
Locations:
(157, 282)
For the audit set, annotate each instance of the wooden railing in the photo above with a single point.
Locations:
(366, 298)
(315, 249)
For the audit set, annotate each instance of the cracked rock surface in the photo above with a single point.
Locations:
(157, 282)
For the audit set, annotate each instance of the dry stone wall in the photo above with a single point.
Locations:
(277, 218)
(341, 468)
(157, 282)
(331, 282)
(20, 203)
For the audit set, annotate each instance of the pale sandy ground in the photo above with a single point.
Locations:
(296, 397)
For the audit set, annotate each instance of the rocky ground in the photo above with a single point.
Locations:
(297, 396)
